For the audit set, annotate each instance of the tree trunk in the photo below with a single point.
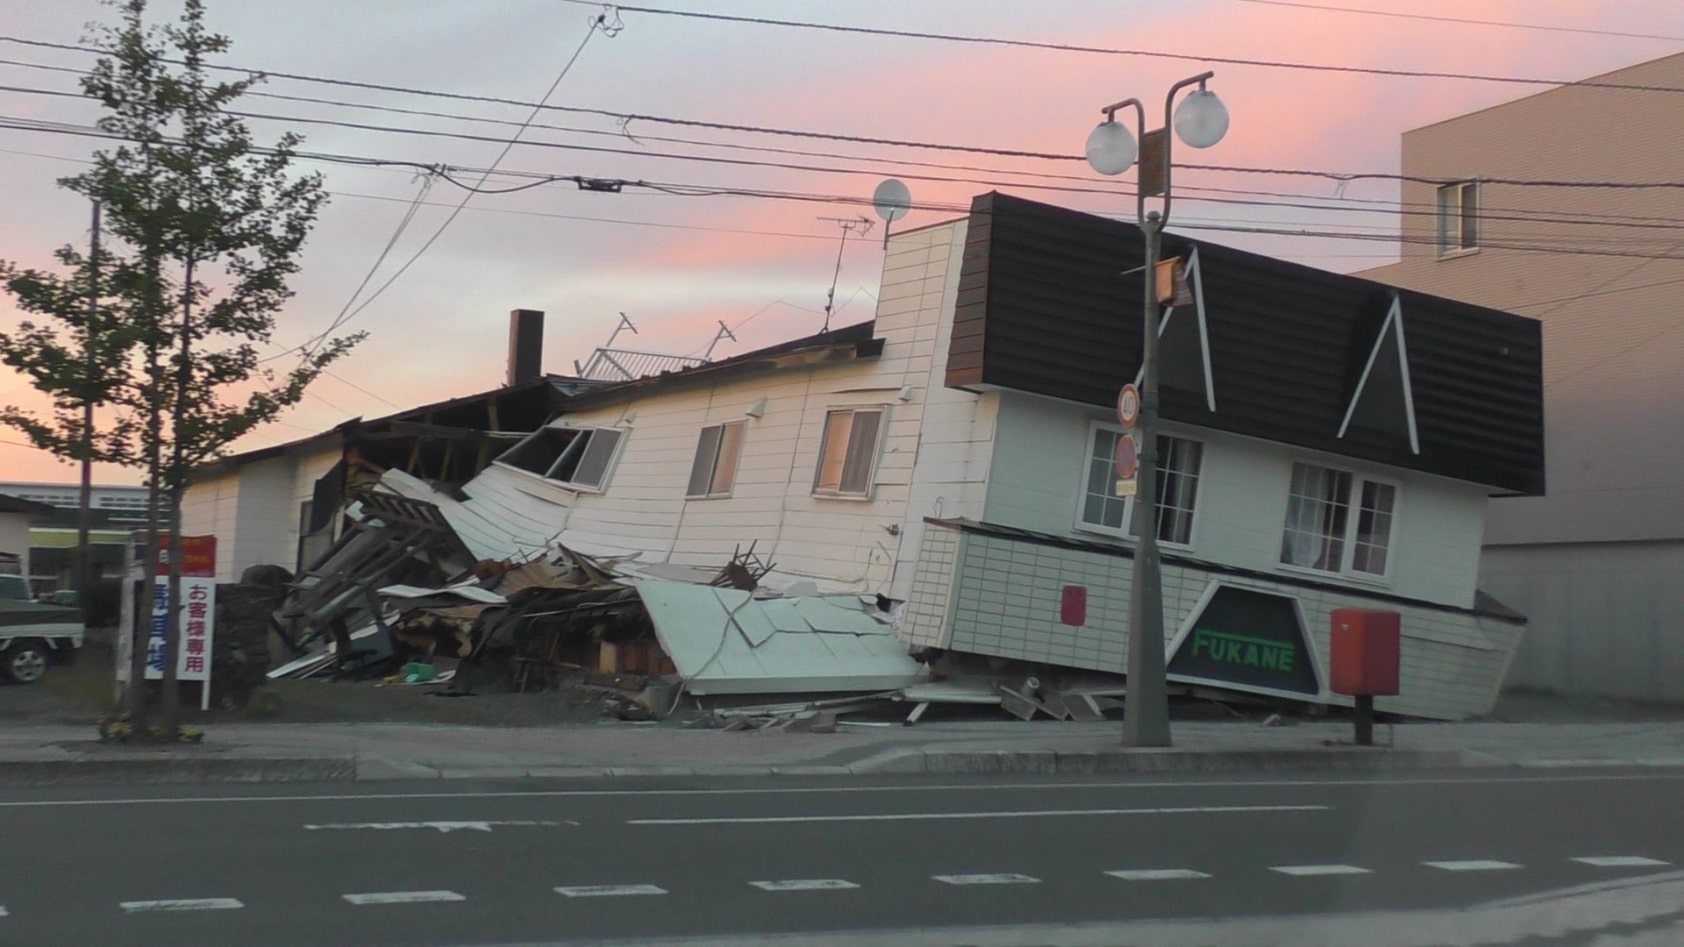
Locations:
(169, 717)
(170, 720)
(135, 703)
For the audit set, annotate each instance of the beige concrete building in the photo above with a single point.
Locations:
(1503, 221)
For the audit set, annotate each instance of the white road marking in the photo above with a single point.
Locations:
(1010, 814)
(441, 826)
(1312, 871)
(1157, 874)
(1622, 861)
(609, 891)
(842, 790)
(403, 897)
(3, 912)
(805, 884)
(1001, 879)
(1472, 865)
(182, 904)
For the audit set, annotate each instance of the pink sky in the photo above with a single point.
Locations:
(440, 330)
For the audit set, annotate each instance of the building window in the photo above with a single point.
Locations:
(1458, 217)
(849, 452)
(1320, 532)
(715, 469)
(578, 457)
(1179, 460)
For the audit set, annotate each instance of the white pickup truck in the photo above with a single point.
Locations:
(34, 635)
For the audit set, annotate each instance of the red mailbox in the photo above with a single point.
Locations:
(1365, 652)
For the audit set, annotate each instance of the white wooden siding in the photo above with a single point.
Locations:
(1040, 461)
(210, 508)
(264, 515)
(847, 542)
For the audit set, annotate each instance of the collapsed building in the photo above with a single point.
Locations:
(938, 483)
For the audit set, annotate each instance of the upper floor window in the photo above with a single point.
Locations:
(1320, 531)
(577, 457)
(1458, 217)
(849, 452)
(714, 471)
(1103, 510)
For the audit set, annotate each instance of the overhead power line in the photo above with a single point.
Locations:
(596, 23)
(1142, 53)
(628, 117)
(1465, 21)
(1546, 243)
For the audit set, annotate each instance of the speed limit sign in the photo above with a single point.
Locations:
(1128, 405)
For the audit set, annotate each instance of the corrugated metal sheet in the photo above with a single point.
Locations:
(723, 641)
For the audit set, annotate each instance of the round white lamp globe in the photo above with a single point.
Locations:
(1111, 149)
(1201, 120)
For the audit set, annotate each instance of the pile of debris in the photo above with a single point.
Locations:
(398, 593)
(400, 598)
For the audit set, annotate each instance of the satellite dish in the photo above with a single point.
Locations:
(892, 200)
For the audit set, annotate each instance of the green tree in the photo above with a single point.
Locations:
(209, 226)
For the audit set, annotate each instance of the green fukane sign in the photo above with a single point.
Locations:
(1243, 650)
(1247, 638)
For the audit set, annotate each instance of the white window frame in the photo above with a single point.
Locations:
(708, 444)
(876, 449)
(1458, 229)
(588, 434)
(1350, 535)
(1126, 530)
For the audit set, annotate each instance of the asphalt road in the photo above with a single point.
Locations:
(459, 864)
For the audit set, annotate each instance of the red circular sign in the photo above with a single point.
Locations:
(1128, 405)
(1128, 457)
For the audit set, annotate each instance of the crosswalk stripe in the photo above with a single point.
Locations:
(608, 891)
(999, 879)
(1621, 861)
(805, 884)
(182, 904)
(402, 897)
(1311, 871)
(1472, 865)
(1157, 874)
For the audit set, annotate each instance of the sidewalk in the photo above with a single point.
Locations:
(67, 755)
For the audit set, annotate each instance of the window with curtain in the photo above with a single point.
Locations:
(714, 471)
(1179, 460)
(848, 453)
(1322, 534)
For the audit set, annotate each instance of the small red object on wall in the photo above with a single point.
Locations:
(1073, 609)
(1365, 652)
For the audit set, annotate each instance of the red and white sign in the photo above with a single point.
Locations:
(1128, 457)
(1128, 405)
(198, 611)
(198, 606)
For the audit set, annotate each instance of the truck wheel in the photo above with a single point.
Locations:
(24, 662)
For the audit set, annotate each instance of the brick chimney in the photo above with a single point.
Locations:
(526, 346)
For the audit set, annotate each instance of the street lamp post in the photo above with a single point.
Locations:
(1201, 121)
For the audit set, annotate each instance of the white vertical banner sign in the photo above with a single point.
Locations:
(198, 616)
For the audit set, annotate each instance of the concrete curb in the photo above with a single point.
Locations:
(175, 769)
(1122, 761)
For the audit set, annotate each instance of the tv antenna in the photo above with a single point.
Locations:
(723, 333)
(848, 225)
(892, 201)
